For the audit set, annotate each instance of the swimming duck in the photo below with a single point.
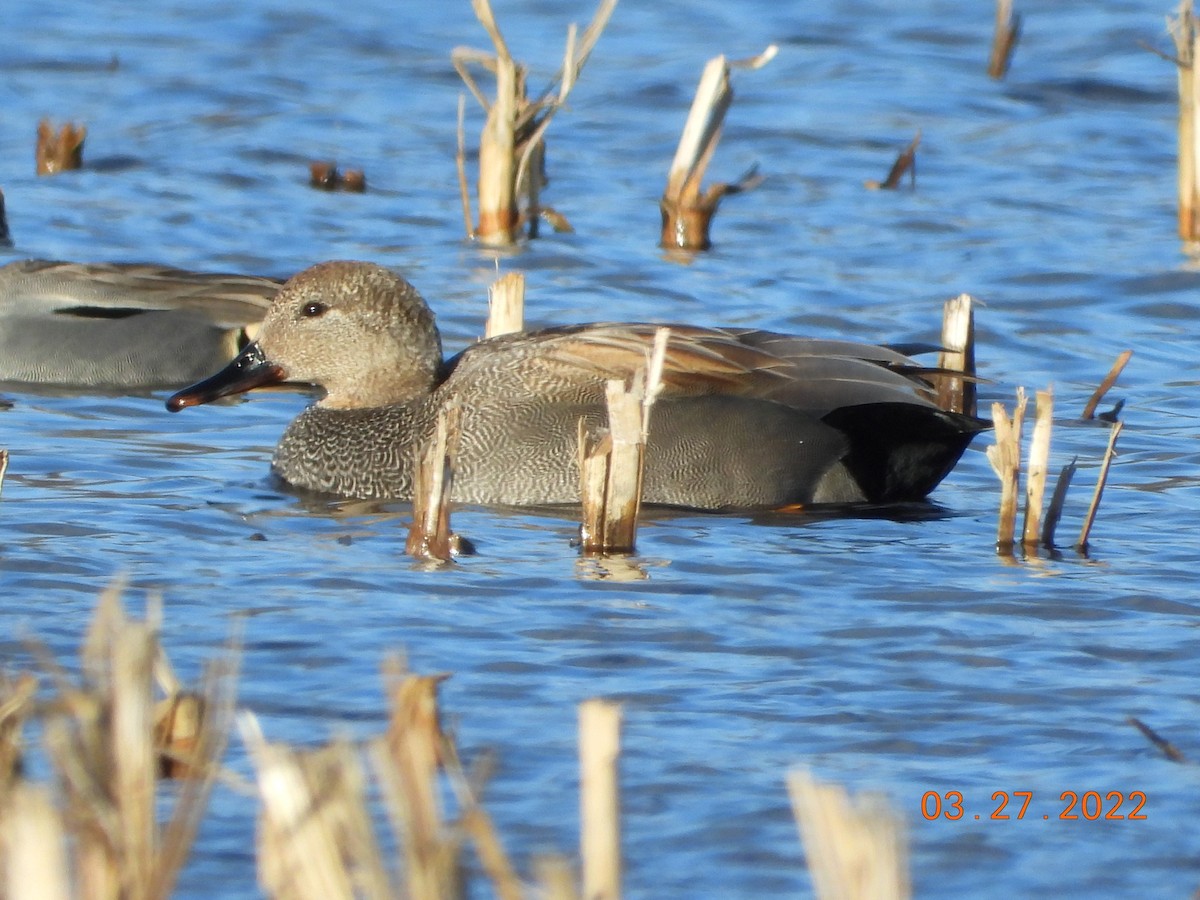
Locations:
(746, 420)
(122, 325)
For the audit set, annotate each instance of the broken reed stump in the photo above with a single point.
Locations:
(600, 799)
(687, 210)
(1005, 457)
(429, 536)
(611, 459)
(906, 162)
(3, 468)
(102, 832)
(59, 151)
(957, 393)
(855, 847)
(511, 145)
(1004, 40)
(1186, 37)
(324, 175)
(506, 305)
(1038, 469)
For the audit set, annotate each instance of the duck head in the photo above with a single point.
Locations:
(357, 331)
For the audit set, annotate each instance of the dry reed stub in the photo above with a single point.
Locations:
(687, 209)
(1005, 457)
(1186, 38)
(600, 799)
(324, 175)
(3, 468)
(611, 460)
(955, 392)
(855, 846)
(429, 536)
(506, 305)
(1037, 470)
(59, 151)
(1004, 39)
(906, 163)
(511, 145)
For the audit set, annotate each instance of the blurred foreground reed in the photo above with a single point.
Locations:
(395, 816)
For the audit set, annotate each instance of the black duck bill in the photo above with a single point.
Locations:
(250, 369)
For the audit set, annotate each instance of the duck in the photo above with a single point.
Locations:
(746, 419)
(123, 326)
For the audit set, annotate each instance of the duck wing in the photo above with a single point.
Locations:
(121, 290)
(815, 376)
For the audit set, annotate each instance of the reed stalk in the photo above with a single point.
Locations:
(1186, 38)
(1005, 457)
(511, 146)
(429, 535)
(612, 460)
(1038, 469)
(1004, 40)
(956, 393)
(1102, 479)
(600, 799)
(506, 305)
(855, 847)
(1089, 410)
(687, 209)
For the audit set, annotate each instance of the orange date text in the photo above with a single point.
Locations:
(1072, 805)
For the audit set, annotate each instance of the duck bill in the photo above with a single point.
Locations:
(249, 370)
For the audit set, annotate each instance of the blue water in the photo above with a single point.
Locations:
(897, 654)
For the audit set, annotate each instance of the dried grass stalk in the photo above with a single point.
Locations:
(511, 148)
(1038, 470)
(555, 878)
(855, 847)
(16, 704)
(1089, 411)
(407, 764)
(1186, 37)
(687, 209)
(506, 305)
(307, 802)
(1057, 502)
(1005, 457)
(906, 162)
(429, 536)
(1101, 480)
(1004, 41)
(59, 151)
(33, 846)
(954, 393)
(600, 799)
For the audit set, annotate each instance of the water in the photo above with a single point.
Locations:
(895, 653)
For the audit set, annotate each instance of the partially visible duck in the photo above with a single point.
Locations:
(127, 326)
(747, 419)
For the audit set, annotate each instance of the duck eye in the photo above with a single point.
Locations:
(313, 309)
